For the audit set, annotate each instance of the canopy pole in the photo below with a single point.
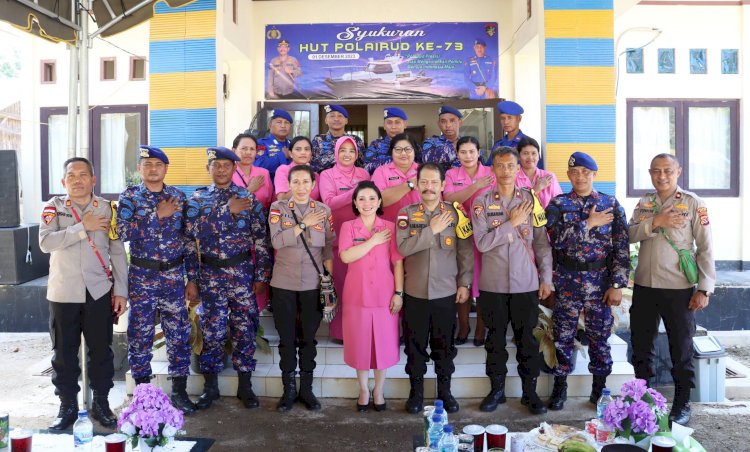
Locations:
(84, 78)
(73, 100)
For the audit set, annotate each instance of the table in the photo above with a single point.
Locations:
(49, 440)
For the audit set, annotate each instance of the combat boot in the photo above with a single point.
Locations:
(496, 395)
(245, 390)
(67, 415)
(179, 397)
(306, 395)
(600, 382)
(210, 391)
(100, 410)
(444, 393)
(414, 404)
(681, 410)
(286, 402)
(559, 394)
(530, 398)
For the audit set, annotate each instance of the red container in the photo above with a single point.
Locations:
(20, 440)
(496, 436)
(477, 431)
(115, 442)
(662, 444)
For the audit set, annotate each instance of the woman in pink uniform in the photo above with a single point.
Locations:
(543, 182)
(397, 180)
(464, 184)
(374, 293)
(300, 150)
(257, 180)
(336, 188)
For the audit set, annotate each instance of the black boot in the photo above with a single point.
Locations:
(67, 415)
(179, 397)
(100, 410)
(530, 398)
(142, 380)
(245, 390)
(600, 382)
(306, 395)
(496, 395)
(681, 411)
(444, 393)
(210, 391)
(286, 402)
(559, 394)
(415, 402)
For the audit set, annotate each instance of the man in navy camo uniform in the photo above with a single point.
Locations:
(441, 149)
(323, 156)
(395, 121)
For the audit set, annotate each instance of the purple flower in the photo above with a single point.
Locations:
(634, 389)
(659, 401)
(642, 418)
(149, 412)
(616, 412)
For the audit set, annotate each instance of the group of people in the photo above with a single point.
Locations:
(409, 233)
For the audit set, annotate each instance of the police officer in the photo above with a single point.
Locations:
(480, 73)
(273, 150)
(150, 218)
(510, 119)
(589, 237)
(283, 71)
(667, 218)
(441, 149)
(323, 156)
(299, 224)
(395, 122)
(516, 274)
(78, 232)
(228, 221)
(438, 273)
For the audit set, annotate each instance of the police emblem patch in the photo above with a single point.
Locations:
(275, 216)
(48, 214)
(495, 223)
(403, 222)
(478, 209)
(448, 241)
(144, 153)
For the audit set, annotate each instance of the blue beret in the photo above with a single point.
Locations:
(510, 108)
(220, 152)
(393, 112)
(480, 41)
(584, 160)
(279, 113)
(448, 109)
(150, 152)
(338, 108)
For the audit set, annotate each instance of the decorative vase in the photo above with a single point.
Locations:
(143, 447)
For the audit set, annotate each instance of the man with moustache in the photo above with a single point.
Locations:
(323, 156)
(441, 149)
(395, 122)
(273, 150)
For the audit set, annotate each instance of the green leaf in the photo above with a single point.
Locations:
(663, 421)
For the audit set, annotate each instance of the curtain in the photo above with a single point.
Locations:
(653, 133)
(57, 134)
(710, 147)
(113, 145)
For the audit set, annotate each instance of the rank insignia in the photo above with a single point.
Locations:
(678, 195)
(318, 227)
(681, 206)
(287, 224)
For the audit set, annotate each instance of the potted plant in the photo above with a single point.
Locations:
(150, 421)
(638, 412)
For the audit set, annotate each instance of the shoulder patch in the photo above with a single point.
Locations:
(48, 214)
(402, 221)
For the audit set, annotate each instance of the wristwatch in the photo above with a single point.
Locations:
(400, 293)
(617, 286)
(302, 226)
(410, 184)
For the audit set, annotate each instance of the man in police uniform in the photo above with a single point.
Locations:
(510, 119)
(508, 225)
(441, 149)
(438, 273)
(273, 150)
(661, 289)
(589, 236)
(323, 155)
(87, 289)
(283, 71)
(228, 221)
(395, 121)
(150, 218)
(480, 73)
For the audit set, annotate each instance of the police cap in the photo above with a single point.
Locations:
(582, 159)
(510, 108)
(220, 152)
(393, 112)
(150, 152)
(279, 113)
(448, 109)
(338, 108)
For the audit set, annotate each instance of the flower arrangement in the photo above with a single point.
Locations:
(150, 418)
(639, 411)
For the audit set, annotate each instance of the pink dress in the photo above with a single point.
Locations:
(265, 195)
(388, 176)
(281, 181)
(336, 190)
(456, 179)
(370, 330)
(552, 190)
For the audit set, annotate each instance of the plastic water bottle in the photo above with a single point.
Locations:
(448, 442)
(436, 430)
(439, 405)
(83, 431)
(602, 403)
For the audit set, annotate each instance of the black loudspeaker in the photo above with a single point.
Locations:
(15, 268)
(10, 208)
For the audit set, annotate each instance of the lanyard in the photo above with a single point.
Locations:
(107, 271)
(242, 176)
(520, 236)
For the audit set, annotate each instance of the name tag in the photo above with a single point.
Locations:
(360, 240)
(344, 188)
(394, 178)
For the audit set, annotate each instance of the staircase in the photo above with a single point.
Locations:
(333, 378)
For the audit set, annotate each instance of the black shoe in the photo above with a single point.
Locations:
(530, 398)
(67, 414)
(380, 407)
(600, 382)
(444, 393)
(210, 391)
(681, 410)
(306, 395)
(179, 396)
(362, 408)
(245, 390)
(479, 342)
(142, 380)
(559, 394)
(415, 402)
(101, 412)
(461, 340)
(496, 395)
(286, 402)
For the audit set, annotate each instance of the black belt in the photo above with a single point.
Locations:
(223, 263)
(156, 265)
(480, 83)
(574, 265)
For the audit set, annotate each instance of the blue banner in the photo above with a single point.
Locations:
(383, 61)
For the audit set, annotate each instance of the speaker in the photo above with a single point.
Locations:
(10, 208)
(15, 268)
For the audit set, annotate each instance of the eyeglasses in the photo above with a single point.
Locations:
(406, 150)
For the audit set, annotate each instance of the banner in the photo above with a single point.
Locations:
(383, 61)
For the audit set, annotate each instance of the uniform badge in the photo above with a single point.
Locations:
(211, 154)
(291, 204)
(68, 203)
(525, 232)
(678, 195)
(642, 217)
(413, 232)
(681, 206)
(48, 214)
(493, 207)
(417, 214)
(318, 227)
(312, 204)
(403, 222)
(417, 219)
(703, 215)
(496, 223)
(448, 241)
(704, 221)
(572, 161)
(144, 153)
(287, 224)
(497, 195)
(275, 216)
(330, 222)
(96, 204)
(478, 209)
(648, 205)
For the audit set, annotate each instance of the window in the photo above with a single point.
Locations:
(729, 61)
(108, 69)
(702, 134)
(49, 71)
(666, 61)
(698, 62)
(137, 68)
(634, 61)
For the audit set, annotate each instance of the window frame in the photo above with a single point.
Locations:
(682, 143)
(131, 72)
(42, 65)
(102, 62)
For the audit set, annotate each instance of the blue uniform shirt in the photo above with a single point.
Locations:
(438, 149)
(376, 154)
(323, 155)
(480, 71)
(270, 153)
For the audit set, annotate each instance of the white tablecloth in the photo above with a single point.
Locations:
(43, 442)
